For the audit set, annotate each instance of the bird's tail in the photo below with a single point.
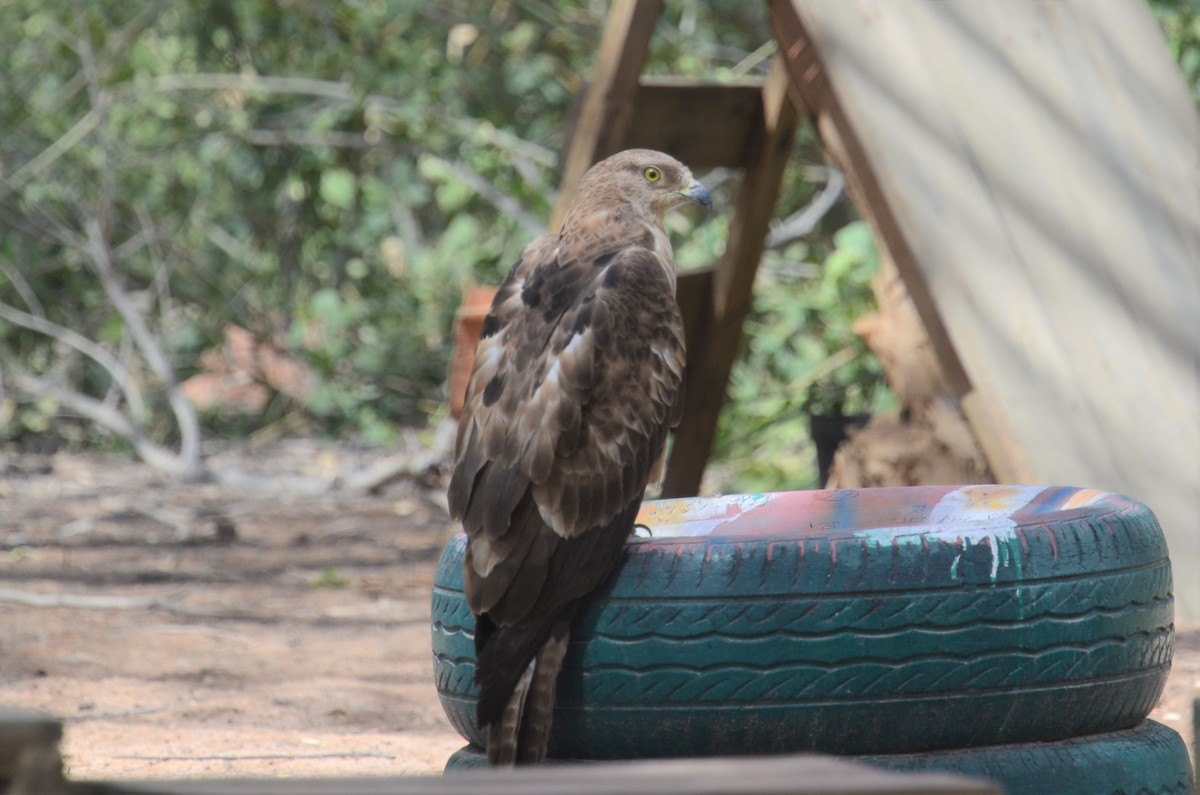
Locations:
(519, 736)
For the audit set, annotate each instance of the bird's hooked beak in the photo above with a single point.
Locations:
(695, 192)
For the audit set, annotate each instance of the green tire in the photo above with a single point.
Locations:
(1149, 758)
(886, 621)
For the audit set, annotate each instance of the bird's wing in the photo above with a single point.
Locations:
(575, 384)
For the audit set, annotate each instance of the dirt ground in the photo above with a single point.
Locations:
(273, 623)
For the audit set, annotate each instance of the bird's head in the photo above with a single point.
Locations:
(648, 182)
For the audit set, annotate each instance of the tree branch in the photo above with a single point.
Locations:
(99, 100)
(19, 283)
(105, 416)
(185, 415)
(332, 139)
(497, 198)
(801, 223)
(120, 375)
(116, 42)
(162, 276)
(54, 151)
(103, 602)
(304, 86)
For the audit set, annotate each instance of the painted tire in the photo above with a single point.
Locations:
(883, 621)
(1149, 758)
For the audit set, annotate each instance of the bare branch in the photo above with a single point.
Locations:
(102, 602)
(107, 417)
(406, 464)
(22, 287)
(801, 223)
(97, 250)
(99, 99)
(253, 757)
(303, 86)
(120, 375)
(492, 135)
(162, 271)
(185, 415)
(754, 60)
(335, 140)
(85, 78)
(133, 245)
(116, 42)
(54, 151)
(234, 248)
(112, 395)
(497, 198)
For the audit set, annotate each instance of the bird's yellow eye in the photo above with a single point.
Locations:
(652, 174)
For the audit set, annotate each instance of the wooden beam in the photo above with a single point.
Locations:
(693, 293)
(710, 364)
(29, 757)
(705, 125)
(608, 107)
(789, 775)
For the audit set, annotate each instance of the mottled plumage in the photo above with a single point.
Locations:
(577, 379)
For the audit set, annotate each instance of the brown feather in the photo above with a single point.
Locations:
(538, 711)
(576, 383)
(504, 734)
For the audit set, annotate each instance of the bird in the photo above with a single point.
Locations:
(578, 377)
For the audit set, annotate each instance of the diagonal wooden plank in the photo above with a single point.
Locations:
(608, 107)
(710, 364)
(703, 124)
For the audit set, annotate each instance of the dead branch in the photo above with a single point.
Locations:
(334, 140)
(252, 757)
(188, 459)
(802, 222)
(19, 283)
(99, 99)
(105, 416)
(54, 151)
(304, 86)
(497, 198)
(73, 339)
(405, 465)
(87, 602)
(117, 41)
(153, 242)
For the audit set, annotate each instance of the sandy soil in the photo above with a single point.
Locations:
(265, 626)
(298, 646)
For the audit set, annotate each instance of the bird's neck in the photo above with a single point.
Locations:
(615, 229)
(625, 222)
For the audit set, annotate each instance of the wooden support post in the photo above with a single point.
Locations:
(29, 757)
(710, 364)
(608, 107)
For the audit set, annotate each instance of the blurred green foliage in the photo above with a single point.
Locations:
(800, 358)
(331, 176)
(1180, 21)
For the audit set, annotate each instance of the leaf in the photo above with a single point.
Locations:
(338, 188)
(326, 304)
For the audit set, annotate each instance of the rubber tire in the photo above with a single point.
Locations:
(1149, 758)
(873, 622)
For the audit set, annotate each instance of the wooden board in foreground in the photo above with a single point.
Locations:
(793, 775)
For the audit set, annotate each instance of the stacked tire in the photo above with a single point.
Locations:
(1015, 632)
